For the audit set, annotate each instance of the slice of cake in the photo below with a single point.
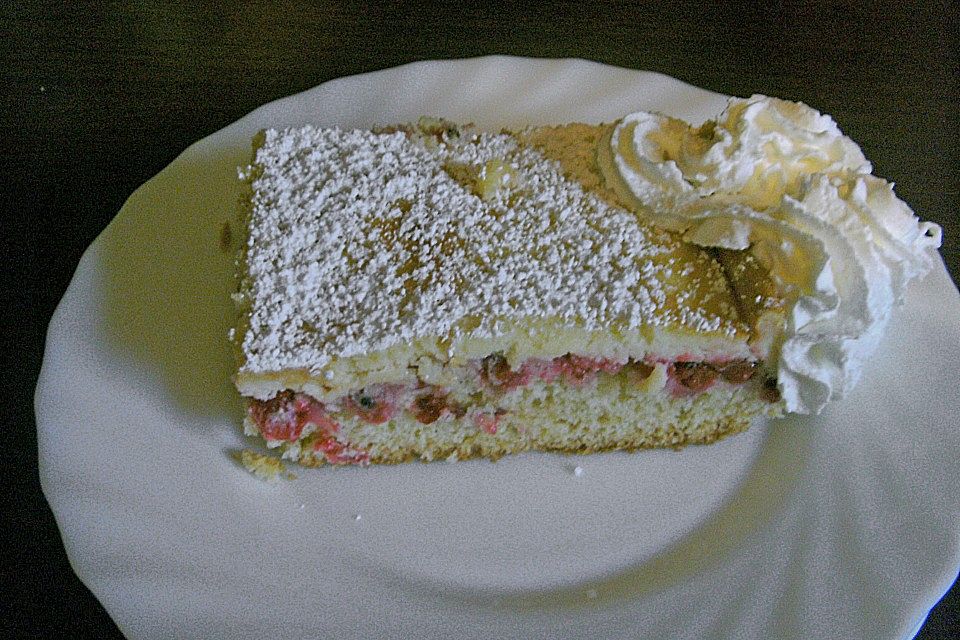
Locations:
(439, 292)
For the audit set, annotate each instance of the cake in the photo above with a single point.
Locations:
(433, 291)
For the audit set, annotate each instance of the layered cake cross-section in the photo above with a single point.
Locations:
(434, 291)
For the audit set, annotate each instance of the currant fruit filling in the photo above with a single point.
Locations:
(291, 416)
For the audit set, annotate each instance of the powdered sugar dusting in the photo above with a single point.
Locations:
(360, 241)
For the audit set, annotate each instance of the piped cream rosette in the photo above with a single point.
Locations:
(780, 179)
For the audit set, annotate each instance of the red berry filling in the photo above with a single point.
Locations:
(580, 370)
(376, 404)
(338, 453)
(496, 372)
(284, 416)
(428, 408)
(488, 422)
(573, 369)
(700, 376)
(738, 371)
(696, 376)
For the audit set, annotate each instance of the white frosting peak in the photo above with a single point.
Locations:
(780, 179)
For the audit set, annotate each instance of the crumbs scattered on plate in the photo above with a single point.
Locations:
(264, 467)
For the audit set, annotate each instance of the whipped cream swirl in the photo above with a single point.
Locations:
(780, 179)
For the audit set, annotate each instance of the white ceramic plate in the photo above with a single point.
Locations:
(840, 526)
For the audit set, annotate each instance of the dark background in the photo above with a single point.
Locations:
(97, 98)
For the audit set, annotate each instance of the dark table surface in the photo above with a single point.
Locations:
(100, 97)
